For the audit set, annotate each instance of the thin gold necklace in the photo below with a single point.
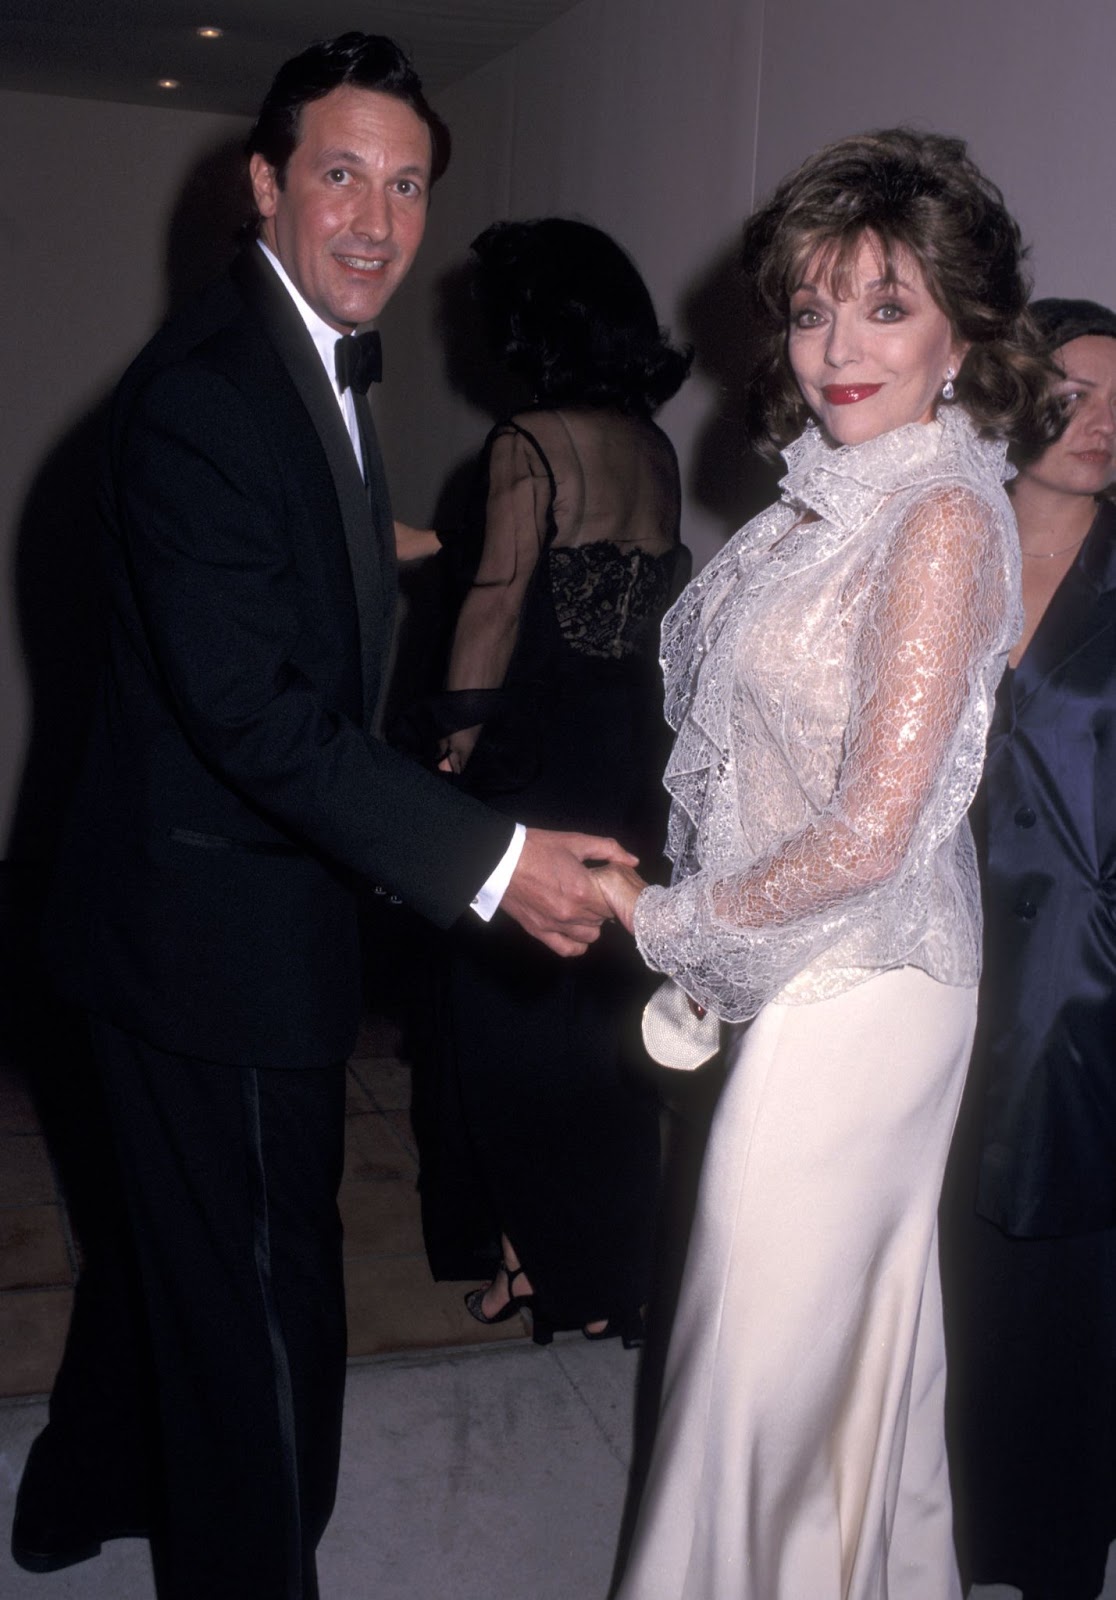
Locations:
(1048, 555)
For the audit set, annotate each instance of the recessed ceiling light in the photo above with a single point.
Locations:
(209, 33)
(169, 83)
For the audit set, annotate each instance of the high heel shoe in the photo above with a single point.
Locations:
(629, 1328)
(474, 1299)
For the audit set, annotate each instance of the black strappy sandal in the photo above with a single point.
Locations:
(474, 1299)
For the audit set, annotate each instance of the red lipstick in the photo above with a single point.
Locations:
(847, 394)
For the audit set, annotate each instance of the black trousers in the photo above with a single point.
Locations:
(203, 1378)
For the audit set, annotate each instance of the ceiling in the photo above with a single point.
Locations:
(119, 49)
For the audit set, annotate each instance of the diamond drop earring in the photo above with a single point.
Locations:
(947, 387)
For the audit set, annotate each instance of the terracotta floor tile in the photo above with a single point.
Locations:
(379, 1036)
(25, 1172)
(388, 1082)
(372, 1150)
(17, 1109)
(400, 1124)
(381, 1218)
(394, 1305)
(33, 1252)
(32, 1333)
(357, 1099)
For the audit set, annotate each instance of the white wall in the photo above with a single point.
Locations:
(1028, 86)
(91, 196)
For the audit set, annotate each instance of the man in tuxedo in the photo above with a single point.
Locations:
(234, 802)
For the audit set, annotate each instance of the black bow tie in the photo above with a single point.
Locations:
(358, 361)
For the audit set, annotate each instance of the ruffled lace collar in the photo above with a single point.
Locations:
(845, 483)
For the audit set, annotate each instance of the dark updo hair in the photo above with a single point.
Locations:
(357, 60)
(566, 310)
(910, 193)
(1059, 322)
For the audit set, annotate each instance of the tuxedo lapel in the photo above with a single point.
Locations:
(375, 480)
(365, 513)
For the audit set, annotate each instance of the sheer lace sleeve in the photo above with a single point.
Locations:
(933, 615)
(487, 627)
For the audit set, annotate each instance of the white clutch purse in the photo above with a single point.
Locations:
(672, 1035)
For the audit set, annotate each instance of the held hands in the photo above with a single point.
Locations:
(554, 896)
(621, 886)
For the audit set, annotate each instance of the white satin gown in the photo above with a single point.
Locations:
(830, 679)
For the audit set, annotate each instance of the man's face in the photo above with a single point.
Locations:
(351, 213)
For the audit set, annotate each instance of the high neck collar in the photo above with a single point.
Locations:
(844, 483)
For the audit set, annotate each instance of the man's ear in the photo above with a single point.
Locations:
(265, 185)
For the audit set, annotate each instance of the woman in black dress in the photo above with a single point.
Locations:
(1029, 1210)
(540, 1162)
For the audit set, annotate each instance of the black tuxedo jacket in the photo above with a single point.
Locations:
(1048, 997)
(234, 798)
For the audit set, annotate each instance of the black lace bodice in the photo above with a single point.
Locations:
(608, 600)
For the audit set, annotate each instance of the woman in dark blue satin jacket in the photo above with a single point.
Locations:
(1029, 1211)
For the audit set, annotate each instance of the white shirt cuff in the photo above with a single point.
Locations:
(491, 892)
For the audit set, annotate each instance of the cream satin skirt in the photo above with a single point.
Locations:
(800, 1452)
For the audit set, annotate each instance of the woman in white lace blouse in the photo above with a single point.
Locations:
(830, 677)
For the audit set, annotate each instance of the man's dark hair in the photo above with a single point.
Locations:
(358, 60)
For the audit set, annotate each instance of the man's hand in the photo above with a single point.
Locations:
(621, 887)
(553, 895)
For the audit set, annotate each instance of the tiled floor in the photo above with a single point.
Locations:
(450, 1460)
(393, 1304)
(38, 1259)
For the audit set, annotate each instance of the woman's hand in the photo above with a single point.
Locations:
(450, 756)
(621, 887)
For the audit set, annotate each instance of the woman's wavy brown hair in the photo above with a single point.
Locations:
(911, 193)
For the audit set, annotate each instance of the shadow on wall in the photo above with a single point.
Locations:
(432, 591)
(211, 217)
(472, 370)
(58, 597)
(57, 577)
(726, 476)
